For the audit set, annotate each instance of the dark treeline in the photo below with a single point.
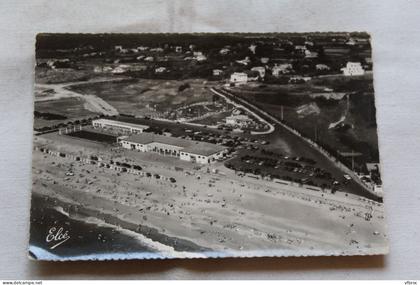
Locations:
(203, 41)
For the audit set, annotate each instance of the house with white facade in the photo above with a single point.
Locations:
(199, 56)
(353, 69)
(260, 70)
(160, 69)
(301, 49)
(120, 69)
(217, 72)
(280, 69)
(158, 49)
(239, 78)
(224, 51)
(264, 60)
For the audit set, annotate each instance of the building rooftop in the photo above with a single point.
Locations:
(120, 123)
(190, 146)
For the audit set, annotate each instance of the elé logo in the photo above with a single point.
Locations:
(57, 236)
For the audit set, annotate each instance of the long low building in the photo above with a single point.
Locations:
(119, 126)
(189, 150)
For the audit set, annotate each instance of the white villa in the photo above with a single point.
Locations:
(279, 69)
(353, 69)
(199, 56)
(239, 78)
(260, 70)
(224, 51)
(160, 69)
(217, 72)
(264, 60)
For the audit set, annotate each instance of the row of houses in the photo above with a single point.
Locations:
(351, 69)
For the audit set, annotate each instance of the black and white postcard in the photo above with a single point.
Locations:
(205, 145)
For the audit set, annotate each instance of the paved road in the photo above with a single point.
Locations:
(244, 106)
(306, 149)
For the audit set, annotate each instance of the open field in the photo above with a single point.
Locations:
(145, 97)
(71, 108)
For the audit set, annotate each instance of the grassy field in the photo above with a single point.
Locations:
(72, 108)
(50, 76)
(147, 96)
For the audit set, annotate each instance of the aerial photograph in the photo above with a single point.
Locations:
(149, 146)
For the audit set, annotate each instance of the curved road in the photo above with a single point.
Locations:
(364, 190)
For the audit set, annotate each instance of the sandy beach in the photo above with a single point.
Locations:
(218, 211)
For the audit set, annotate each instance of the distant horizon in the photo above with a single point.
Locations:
(49, 41)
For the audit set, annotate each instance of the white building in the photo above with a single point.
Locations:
(239, 78)
(301, 49)
(188, 150)
(353, 69)
(224, 51)
(217, 72)
(264, 60)
(160, 69)
(351, 42)
(238, 120)
(199, 56)
(178, 49)
(279, 69)
(260, 70)
(322, 67)
(119, 126)
(310, 54)
(120, 69)
(158, 49)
